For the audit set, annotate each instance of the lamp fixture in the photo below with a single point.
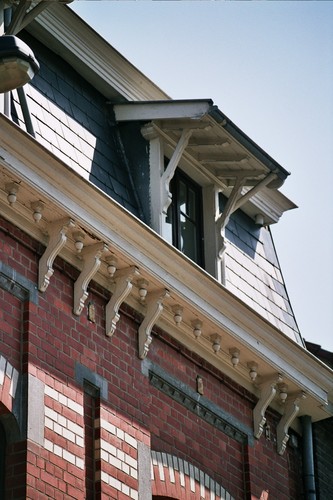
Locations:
(143, 289)
(112, 263)
(235, 353)
(12, 189)
(18, 64)
(197, 328)
(178, 314)
(253, 370)
(37, 207)
(216, 339)
(78, 240)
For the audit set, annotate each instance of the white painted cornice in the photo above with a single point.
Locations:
(60, 29)
(44, 177)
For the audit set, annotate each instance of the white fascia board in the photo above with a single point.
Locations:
(64, 32)
(162, 110)
(39, 169)
(270, 202)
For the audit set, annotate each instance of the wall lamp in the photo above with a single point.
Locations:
(18, 64)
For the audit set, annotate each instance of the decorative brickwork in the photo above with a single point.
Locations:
(116, 451)
(139, 404)
(177, 478)
(64, 435)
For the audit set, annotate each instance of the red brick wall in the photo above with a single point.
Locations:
(54, 340)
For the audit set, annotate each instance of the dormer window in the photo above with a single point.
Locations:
(184, 217)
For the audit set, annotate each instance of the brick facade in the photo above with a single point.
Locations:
(95, 409)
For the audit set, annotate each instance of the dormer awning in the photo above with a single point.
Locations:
(216, 147)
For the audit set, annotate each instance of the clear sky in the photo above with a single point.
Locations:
(269, 67)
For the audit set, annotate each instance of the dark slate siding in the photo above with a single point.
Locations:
(137, 153)
(73, 120)
(253, 272)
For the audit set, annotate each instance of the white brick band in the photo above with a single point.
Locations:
(7, 370)
(64, 427)
(64, 400)
(118, 485)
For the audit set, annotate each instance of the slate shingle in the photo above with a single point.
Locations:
(70, 118)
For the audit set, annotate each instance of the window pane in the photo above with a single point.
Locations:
(188, 237)
(192, 201)
(182, 197)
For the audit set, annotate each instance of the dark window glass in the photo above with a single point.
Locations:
(185, 216)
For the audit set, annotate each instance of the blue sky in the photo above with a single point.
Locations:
(269, 67)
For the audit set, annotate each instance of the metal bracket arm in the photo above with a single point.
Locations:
(123, 279)
(92, 261)
(267, 393)
(154, 310)
(290, 413)
(57, 240)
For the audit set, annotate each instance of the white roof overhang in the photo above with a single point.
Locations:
(217, 152)
(40, 176)
(66, 34)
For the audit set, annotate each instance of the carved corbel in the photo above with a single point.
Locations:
(123, 280)
(267, 393)
(57, 239)
(154, 310)
(291, 410)
(92, 261)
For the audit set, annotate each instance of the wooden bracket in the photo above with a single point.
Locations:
(57, 239)
(92, 261)
(154, 310)
(267, 393)
(291, 410)
(170, 169)
(123, 279)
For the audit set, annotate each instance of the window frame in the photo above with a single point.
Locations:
(175, 212)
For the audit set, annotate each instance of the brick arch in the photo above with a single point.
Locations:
(173, 477)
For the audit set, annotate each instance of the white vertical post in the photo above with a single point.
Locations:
(156, 162)
(211, 212)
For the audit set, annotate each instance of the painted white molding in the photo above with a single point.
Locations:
(43, 176)
(57, 239)
(267, 393)
(292, 407)
(92, 56)
(154, 310)
(92, 261)
(123, 280)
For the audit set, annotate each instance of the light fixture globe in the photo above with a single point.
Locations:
(18, 64)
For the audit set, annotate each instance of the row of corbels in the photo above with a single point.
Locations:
(123, 280)
(91, 255)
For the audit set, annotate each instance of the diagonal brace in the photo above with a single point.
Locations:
(170, 170)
